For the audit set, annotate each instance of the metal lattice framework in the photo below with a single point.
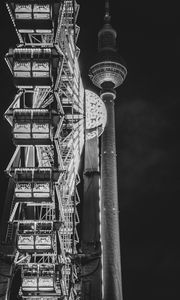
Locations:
(47, 119)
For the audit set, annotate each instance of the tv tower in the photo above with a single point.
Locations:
(108, 73)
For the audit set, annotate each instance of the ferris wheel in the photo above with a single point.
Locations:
(53, 119)
(52, 248)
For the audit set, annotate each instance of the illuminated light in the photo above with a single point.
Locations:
(76, 98)
(22, 66)
(26, 30)
(38, 277)
(42, 8)
(28, 12)
(71, 49)
(70, 67)
(29, 284)
(40, 16)
(23, 8)
(32, 190)
(96, 114)
(40, 66)
(69, 90)
(43, 31)
(27, 86)
(77, 72)
(23, 16)
(32, 51)
(76, 81)
(46, 284)
(43, 242)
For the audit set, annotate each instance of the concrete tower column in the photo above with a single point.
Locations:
(109, 206)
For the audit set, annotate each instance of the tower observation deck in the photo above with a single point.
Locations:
(108, 73)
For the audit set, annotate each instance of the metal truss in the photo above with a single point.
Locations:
(47, 119)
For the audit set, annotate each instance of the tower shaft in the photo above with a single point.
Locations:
(109, 207)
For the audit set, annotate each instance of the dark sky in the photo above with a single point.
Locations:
(147, 127)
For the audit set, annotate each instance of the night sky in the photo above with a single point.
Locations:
(147, 128)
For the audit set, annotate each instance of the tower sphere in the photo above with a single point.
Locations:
(107, 71)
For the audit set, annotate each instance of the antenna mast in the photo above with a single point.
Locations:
(107, 16)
